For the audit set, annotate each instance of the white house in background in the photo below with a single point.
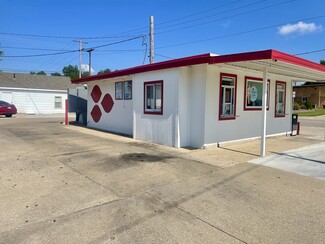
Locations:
(34, 94)
(201, 100)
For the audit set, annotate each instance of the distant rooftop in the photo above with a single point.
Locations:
(16, 80)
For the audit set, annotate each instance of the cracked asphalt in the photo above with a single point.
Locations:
(68, 184)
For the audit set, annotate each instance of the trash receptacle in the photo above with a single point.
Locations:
(294, 124)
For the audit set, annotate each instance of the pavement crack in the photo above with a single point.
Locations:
(196, 217)
(90, 179)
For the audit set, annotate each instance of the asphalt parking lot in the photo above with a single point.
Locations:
(68, 184)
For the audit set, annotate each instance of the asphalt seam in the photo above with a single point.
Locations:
(87, 177)
(198, 218)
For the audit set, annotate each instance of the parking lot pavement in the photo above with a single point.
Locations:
(66, 184)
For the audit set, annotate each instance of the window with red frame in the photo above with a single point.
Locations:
(280, 99)
(119, 90)
(153, 97)
(227, 109)
(254, 93)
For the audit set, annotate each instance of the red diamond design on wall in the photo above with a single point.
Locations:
(96, 114)
(107, 103)
(96, 93)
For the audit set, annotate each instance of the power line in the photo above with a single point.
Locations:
(310, 52)
(63, 37)
(239, 33)
(223, 18)
(71, 51)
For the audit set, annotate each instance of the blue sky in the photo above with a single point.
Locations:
(182, 28)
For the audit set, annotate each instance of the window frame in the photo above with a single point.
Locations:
(256, 108)
(276, 115)
(234, 76)
(55, 102)
(302, 99)
(122, 92)
(153, 83)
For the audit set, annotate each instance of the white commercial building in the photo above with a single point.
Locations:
(202, 100)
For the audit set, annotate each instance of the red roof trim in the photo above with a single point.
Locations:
(207, 58)
(280, 56)
(240, 57)
(198, 59)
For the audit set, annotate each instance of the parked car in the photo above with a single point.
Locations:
(7, 109)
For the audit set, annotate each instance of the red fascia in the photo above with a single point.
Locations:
(284, 57)
(240, 57)
(198, 59)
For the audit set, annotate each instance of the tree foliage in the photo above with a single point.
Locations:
(38, 73)
(41, 73)
(73, 72)
(56, 74)
(322, 62)
(104, 71)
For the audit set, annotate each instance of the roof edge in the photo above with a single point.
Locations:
(191, 60)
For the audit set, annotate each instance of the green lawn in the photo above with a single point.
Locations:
(316, 112)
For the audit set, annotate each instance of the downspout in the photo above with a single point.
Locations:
(264, 102)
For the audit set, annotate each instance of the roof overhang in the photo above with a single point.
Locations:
(276, 62)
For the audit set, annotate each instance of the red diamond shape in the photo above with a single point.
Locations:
(107, 103)
(96, 114)
(96, 93)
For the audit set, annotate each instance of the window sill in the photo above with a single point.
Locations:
(227, 118)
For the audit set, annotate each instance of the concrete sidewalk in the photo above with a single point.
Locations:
(308, 161)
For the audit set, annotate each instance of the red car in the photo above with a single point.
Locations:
(7, 109)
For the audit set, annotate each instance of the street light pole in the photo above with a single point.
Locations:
(89, 51)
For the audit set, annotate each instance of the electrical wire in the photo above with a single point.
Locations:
(239, 33)
(71, 51)
(224, 18)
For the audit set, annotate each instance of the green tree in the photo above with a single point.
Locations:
(41, 73)
(32, 73)
(71, 71)
(322, 62)
(56, 74)
(104, 71)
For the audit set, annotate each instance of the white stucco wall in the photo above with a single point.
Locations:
(120, 118)
(247, 123)
(34, 101)
(190, 108)
(157, 128)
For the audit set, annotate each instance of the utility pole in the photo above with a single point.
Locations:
(151, 41)
(80, 54)
(89, 51)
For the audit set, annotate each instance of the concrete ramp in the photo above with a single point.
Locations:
(308, 161)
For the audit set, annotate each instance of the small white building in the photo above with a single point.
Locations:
(202, 100)
(34, 94)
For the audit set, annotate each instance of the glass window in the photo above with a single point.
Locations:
(153, 101)
(280, 98)
(119, 91)
(227, 96)
(254, 93)
(58, 102)
(128, 90)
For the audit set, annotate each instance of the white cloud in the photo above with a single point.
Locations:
(300, 28)
(85, 67)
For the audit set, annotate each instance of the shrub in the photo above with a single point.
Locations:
(308, 105)
(296, 106)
